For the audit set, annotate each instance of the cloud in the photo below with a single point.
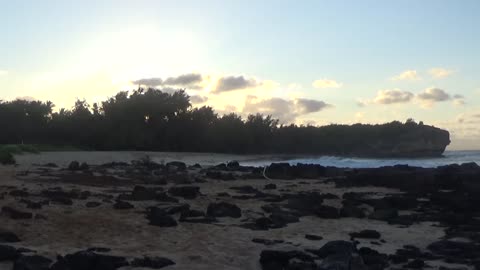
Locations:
(185, 79)
(326, 83)
(439, 73)
(392, 96)
(285, 110)
(408, 75)
(189, 80)
(150, 82)
(231, 83)
(3, 72)
(434, 95)
(196, 99)
(305, 106)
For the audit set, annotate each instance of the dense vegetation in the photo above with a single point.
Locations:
(149, 119)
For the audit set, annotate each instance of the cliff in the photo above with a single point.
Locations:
(418, 141)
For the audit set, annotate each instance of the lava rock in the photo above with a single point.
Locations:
(223, 209)
(158, 217)
(270, 186)
(8, 237)
(92, 204)
(34, 262)
(368, 234)
(328, 212)
(313, 237)
(7, 253)
(122, 205)
(152, 262)
(187, 192)
(16, 214)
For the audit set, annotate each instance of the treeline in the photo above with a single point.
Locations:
(149, 119)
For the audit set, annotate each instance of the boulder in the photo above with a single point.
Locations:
(158, 217)
(152, 262)
(313, 237)
(92, 204)
(8, 237)
(223, 209)
(187, 192)
(325, 211)
(33, 262)
(270, 186)
(367, 234)
(16, 214)
(276, 259)
(7, 253)
(280, 171)
(122, 205)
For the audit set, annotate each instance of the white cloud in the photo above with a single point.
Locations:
(196, 99)
(285, 110)
(392, 96)
(231, 83)
(434, 95)
(3, 72)
(439, 73)
(408, 75)
(326, 83)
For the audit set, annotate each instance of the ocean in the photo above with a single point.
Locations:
(449, 157)
(97, 158)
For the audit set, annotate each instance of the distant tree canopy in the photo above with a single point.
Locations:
(149, 119)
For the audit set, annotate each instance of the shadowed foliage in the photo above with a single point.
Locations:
(149, 119)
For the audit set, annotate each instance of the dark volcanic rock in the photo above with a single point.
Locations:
(176, 166)
(163, 197)
(223, 209)
(34, 262)
(416, 264)
(368, 234)
(276, 259)
(187, 192)
(384, 214)
(270, 186)
(8, 237)
(305, 203)
(352, 211)
(158, 217)
(7, 253)
(152, 262)
(280, 171)
(74, 166)
(339, 255)
(140, 193)
(266, 242)
(83, 260)
(454, 248)
(18, 193)
(16, 214)
(92, 204)
(373, 259)
(121, 205)
(325, 211)
(313, 237)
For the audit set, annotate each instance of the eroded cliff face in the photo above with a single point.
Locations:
(418, 141)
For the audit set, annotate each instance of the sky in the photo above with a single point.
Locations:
(304, 62)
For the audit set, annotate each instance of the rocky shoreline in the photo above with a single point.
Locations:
(145, 215)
